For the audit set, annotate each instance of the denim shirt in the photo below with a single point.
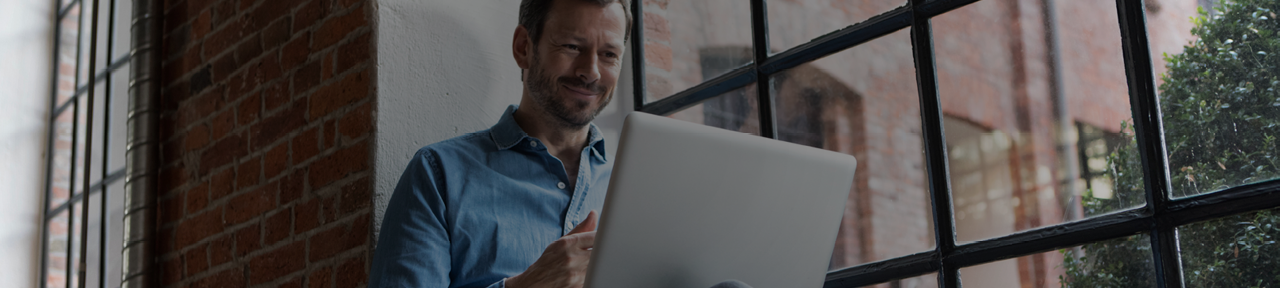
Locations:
(472, 210)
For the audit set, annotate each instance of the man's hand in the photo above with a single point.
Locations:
(564, 262)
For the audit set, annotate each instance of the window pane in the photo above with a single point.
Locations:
(1021, 153)
(863, 102)
(1236, 251)
(922, 281)
(793, 22)
(735, 110)
(1120, 262)
(1219, 91)
(691, 41)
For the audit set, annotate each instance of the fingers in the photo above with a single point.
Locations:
(588, 224)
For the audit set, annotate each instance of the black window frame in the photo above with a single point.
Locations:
(85, 91)
(1158, 218)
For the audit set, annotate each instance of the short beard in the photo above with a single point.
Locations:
(572, 113)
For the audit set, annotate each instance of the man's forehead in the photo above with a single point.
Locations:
(578, 19)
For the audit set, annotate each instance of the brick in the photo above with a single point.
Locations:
(198, 227)
(275, 161)
(268, 69)
(229, 278)
(656, 27)
(276, 34)
(223, 67)
(356, 196)
(197, 6)
(658, 55)
(295, 52)
(351, 88)
(250, 47)
(172, 178)
(320, 278)
(268, 12)
(251, 204)
(294, 283)
(357, 123)
(306, 78)
(222, 184)
(220, 41)
(277, 126)
(327, 134)
(337, 28)
(248, 110)
(197, 198)
(306, 145)
(277, 263)
(338, 165)
(198, 107)
(338, 239)
(326, 66)
(225, 13)
(221, 250)
(185, 63)
(222, 153)
(309, 14)
(306, 216)
(352, 273)
(201, 25)
(246, 4)
(221, 124)
(277, 226)
(177, 42)
(171, 209)
(176, 16)
(248, 240)
(196, 138)
(249, 173)
(275, 96)
(291, 187)
(171, 271)
(197, 259)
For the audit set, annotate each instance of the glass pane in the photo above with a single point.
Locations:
(735, 110)
(691, 41)
(56, 251)
(1219, 91)
(1120, 262)
(922, 281)
(1022, 154)
(1236, 251)
(793, 22)
(863, 102)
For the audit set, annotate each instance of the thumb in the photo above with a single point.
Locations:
(588, 224)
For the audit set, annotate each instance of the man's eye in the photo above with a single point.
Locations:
(571, 47)
(611, 55)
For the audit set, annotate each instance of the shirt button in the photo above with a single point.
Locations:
(561, 185)
(533, 144)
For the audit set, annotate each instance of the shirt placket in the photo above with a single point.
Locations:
(577, 200)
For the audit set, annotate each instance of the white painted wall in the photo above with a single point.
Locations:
(25, 37)
(445, 69)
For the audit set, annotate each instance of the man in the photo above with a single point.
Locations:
(514, 205)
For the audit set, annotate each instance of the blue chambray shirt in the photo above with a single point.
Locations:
(472, 210)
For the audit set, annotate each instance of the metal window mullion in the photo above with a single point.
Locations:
(637, 54)
(49, 152)
(88, 151)
(760, 47)
(106, 144)
(935, 145)
(1150, 137)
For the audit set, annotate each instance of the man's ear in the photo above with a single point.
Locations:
(521, 47)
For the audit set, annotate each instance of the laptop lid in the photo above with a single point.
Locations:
(691, 205)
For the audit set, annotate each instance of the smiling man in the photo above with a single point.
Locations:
(513, 205)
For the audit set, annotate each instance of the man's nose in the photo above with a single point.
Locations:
(587, 67)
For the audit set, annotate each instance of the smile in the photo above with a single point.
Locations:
(579, 91)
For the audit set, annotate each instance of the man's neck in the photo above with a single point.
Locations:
(560, 139)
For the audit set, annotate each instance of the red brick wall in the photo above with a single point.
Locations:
(266, 125)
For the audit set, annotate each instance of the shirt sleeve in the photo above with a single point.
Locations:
(413, 244)
(500, 284)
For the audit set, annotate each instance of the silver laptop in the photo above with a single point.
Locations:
(691, 205)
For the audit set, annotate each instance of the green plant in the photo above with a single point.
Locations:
(1221, 109)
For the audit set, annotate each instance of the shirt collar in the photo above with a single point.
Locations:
(507, 133)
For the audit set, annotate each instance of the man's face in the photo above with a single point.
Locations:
(574, 67)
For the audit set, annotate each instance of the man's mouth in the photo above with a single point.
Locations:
(581, 92)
